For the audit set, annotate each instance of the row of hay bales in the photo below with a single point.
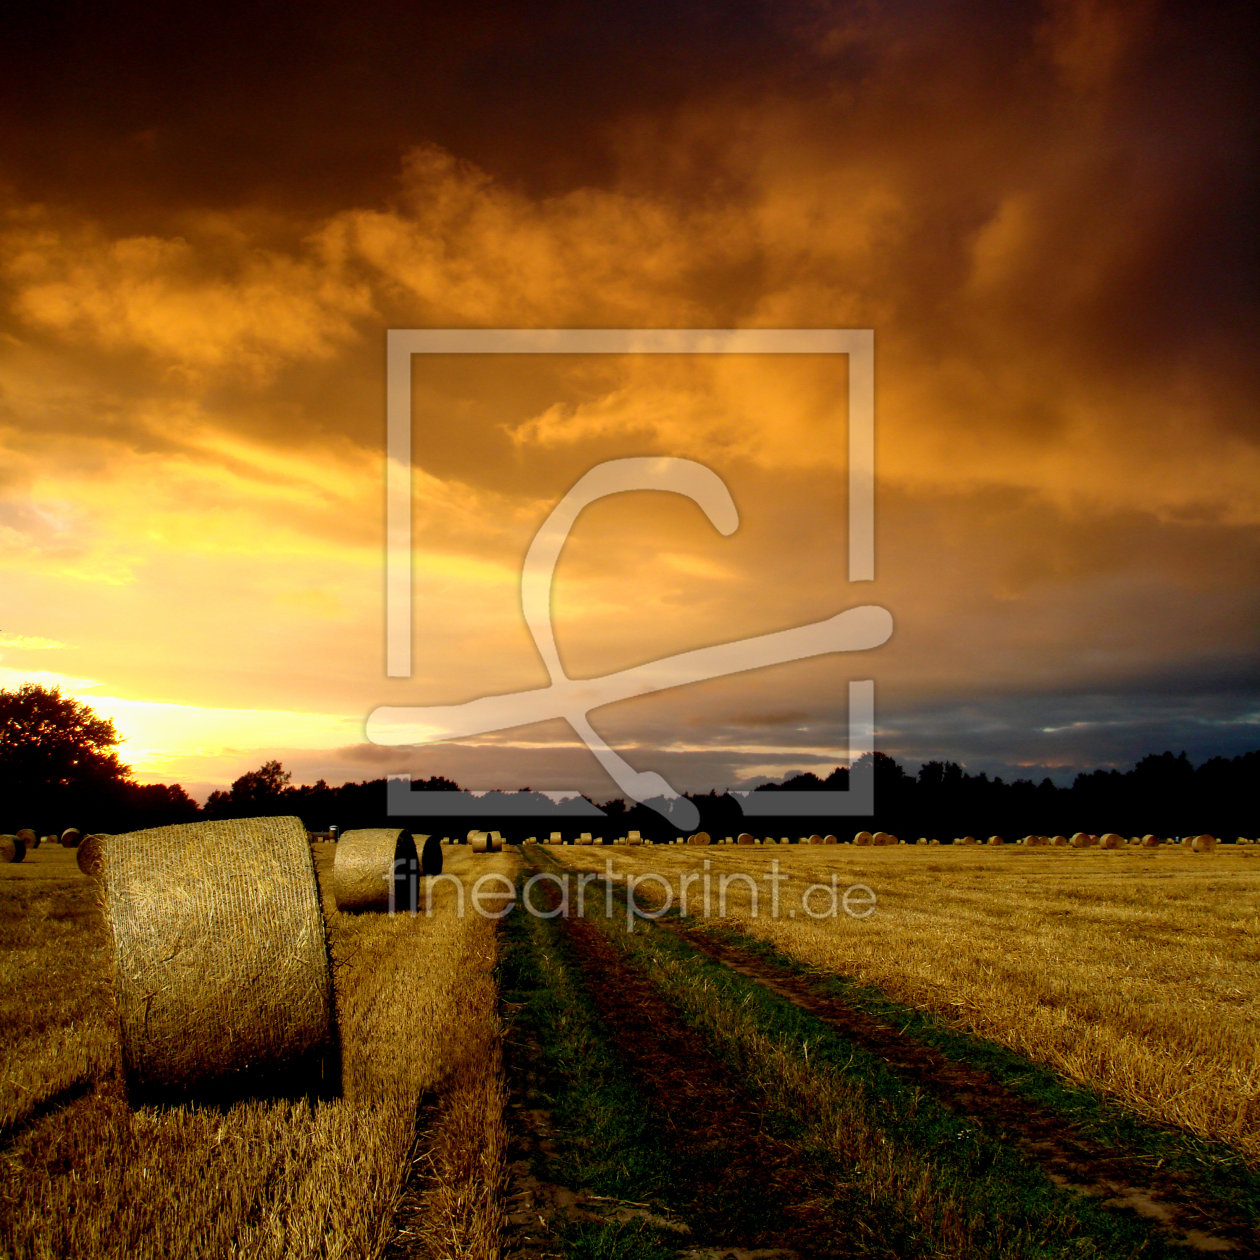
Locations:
(14, 847)
(222, 980)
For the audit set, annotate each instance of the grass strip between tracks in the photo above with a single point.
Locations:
(605, 1136)
(944, 1186)
(1220, 1173)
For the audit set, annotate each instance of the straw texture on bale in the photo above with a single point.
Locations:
(222, 982)
(11, 849)
(1112, 840)
(634, 838)
(996, 840)
(863, 837)
(700, 837)
(1203, 844)
(1060, 841)
(744, 838)
(364, 864)
(815, 839)
(1081, 840)
(882, 837)
(1151, 842)
(27, 836)
(968, 840)
(830, 840)
(90, 856)
(481, 842)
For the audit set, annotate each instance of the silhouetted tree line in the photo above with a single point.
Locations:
(59, 768)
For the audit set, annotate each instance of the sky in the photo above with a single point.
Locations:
(1046, 213)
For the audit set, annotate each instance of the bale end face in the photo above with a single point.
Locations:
(996, 840)
(700, 837)
(11, 849)
(863, 837)
(90, 855)
(71, 837)
(27, 836)
(1203, 844)
(1111, 841)
(745, 837)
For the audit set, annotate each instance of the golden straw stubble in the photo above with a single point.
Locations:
(222, 982)
(371, 862)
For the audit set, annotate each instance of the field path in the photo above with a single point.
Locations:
(1124, 1180)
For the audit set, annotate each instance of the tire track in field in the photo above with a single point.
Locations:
(1123, 1180)
(736, 1181)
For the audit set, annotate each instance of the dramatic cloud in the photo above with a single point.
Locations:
(1045, 212)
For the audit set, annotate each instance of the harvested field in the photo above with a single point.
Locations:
(85, 1175)
(1131, 971)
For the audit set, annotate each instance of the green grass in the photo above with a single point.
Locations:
(1219, 1170)
(887, 1136)
(601, 1123)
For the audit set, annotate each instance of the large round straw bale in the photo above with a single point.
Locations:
(700, 837)
(34, 842)
(769, 840)
(27, 836)
(1060, 841)
(483, 842)
(372, 862)
(1111, 840)
(557, 838)
(1081, 840)
(585, 838)
(1203, 844)
(968, 840)
(222, 982)
(830, 840)
(933, 841)
(11, 849)
(996, 840)
(815, 839)
(882, 837)
(634, 838)
(90, 855)
(863, 837)
(1151, 842)
(745, 837)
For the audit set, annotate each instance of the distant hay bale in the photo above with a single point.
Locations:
(634, 838)
(921, 840)
(863, 837)
(1111, 841)
(1081, 840)
(1151, 842)
(481, 842)
(89, 854)
(745, 837)
(967, 840)
(815, 839)
(367, 869)
(34, 842)
(769, 840)
(830, 840)
(1060, 842)
(585, 838)
(883, 837)
(222, 982)
(700, 837)
(556, 838)
(1203, 844)
(11, 849)
(996, 840)
(933, 841)
(27, 836)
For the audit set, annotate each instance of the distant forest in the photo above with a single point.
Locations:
(59, 768)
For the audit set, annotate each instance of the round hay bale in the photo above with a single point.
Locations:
(1111, 841)
(996, 840)
(222, 983)
(34, 842)
(863, 837)
(968, 840)
(700, 837)
(11, 849)
(815, 839)
(634, 838)
(430, 855)
(557, 838)
(365, 861)
(1203, 844)
(1151, 842)
(483, 842)
(933, 841)
(1081, 840)
(744, 838)
(585, 838)
(830, 840)
(27, 836)
(89, 854)
(880, 837)
(1060, 842)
